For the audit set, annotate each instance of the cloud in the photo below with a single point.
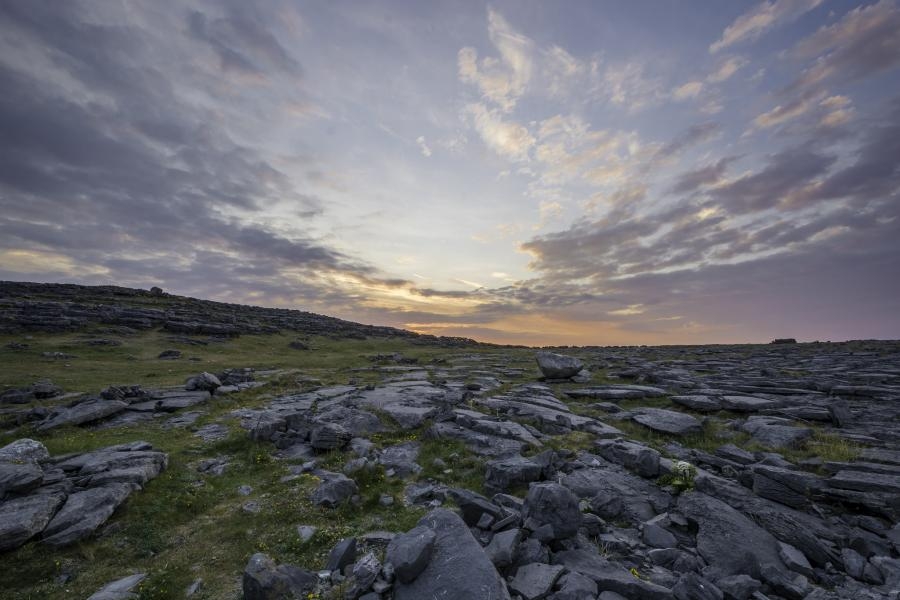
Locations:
(687, 91)
(727, 68)
(626, 85)
(506, 138)
(863, 43)
(423, 147)
(762, 18)
(703, 176)
(139, 182)
(787, 174)
(787, 112)
(501, 81)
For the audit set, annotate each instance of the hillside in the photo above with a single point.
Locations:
(155, 446)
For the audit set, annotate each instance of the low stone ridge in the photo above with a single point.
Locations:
(73, 495)
(55, 307)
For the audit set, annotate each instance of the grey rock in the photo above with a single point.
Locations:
(558, 366)
(781, 436)
(23, 518)
(365, 571)
(667, 421)
(575, 586)
(617, 392)
(443, 578)
(329, 436)
(19, 477)
(658, 537)
(735, 454)
(535, 581)
(503, 547)
(633, 456)
(203, 382)
(698, 402)
(746, 403)
(84, 412)
(554, 505)
(791, 588)
(169, 355)
(263, 579)
(24, 450)
(84, 512)
(342, 555)
(854, 563)
(334, 490)
(473, 507)
(730, 542)
(738, 587)
(410, 552)
(401, 459)
(306, 532)
(692, 586)
(610, 576)
(505, 473)
(840, 413)
(865, 482)
(794, 559)
(121, 589)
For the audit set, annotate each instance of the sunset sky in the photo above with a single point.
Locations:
(642, 172)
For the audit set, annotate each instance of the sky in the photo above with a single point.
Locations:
(542, 173)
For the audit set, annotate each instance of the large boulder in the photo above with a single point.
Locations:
(264, 580)
(730, 542)
(23, 518)
(24, 451)
(334, 490)
(84, 512)
(410, 552)
(550, 505)
(558, 366)
(203, 382)
(458, 569)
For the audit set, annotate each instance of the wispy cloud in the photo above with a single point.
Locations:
(765, 16)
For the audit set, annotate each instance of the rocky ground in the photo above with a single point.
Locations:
(382, 468)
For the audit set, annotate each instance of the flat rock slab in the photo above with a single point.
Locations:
(610, 576)
(458, 570)
(781, 436)
(84, 512)
(698, 402)
(535, 581)
(617, 392)
(85, 412)
(746, 403)
(23, 518)
(667, 421)
(865, 482)
(121, 589)
(728, 540)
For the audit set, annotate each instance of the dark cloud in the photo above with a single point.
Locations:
(706, 175)
(242, 41)
(134, 183)
(786, 174)
(695, 134)
(865, 42)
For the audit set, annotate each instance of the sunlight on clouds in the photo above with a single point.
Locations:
(502, 80)
(506, 138)
(38, 261)
(765, 16)
(631, 309)
(688, 91)
(727, 69)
